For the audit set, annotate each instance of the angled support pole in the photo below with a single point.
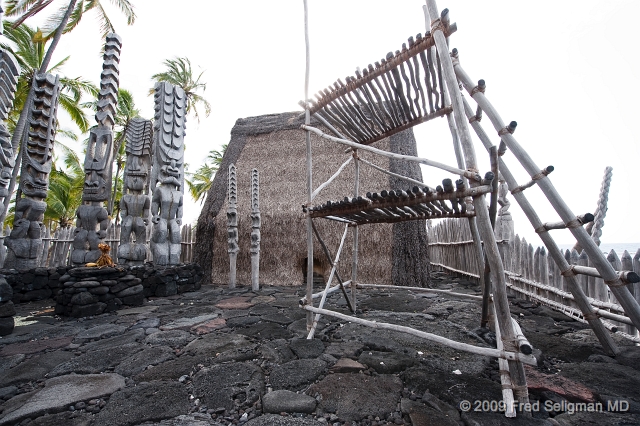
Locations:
(581, 299)
(314, 324)
(482, 214)
(485, 280)
(622, 294)
(327, 253)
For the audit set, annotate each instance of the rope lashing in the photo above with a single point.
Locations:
(541, 229)
(481, 87)
(616, 283)
(569, 272)
(591, 316)
(508, 129)
(543, 173)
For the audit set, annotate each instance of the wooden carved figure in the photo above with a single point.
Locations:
(504, 223)
(92, 218)
(8, 80)
(135, 203)
(167, 181)
(232, 225)
(255, 230)
(25, 241)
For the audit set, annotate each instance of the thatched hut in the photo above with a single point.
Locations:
(274, 144)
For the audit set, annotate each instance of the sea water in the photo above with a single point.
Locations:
(606, 248)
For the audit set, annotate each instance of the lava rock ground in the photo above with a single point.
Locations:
(224, 357)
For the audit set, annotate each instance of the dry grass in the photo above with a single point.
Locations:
(280, 158)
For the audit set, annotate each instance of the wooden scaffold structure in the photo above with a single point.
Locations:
(423, 81)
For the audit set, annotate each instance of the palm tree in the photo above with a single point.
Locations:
(200, 181)
(65, 20)
(65, 191)
(25, 9)
(29, 54)
(179, 73)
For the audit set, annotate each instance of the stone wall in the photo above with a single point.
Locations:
(7, 310)
(80, 292)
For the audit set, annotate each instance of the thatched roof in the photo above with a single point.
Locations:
(274, 144)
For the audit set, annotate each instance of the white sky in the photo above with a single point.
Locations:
(566, 71)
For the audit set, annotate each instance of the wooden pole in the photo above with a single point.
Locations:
(356, 235)
(505, 354)
(448, 293)
(331, 179)
(405, 178)
(425, 161)
(307, 121)
(598, 328)
(493, 206)
(327, 253)
(314, 325)
(480, 257)
(484, 225)
(505, 377)
(631, 306)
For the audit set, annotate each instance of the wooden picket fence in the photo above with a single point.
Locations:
(56, 248)
(532, 274)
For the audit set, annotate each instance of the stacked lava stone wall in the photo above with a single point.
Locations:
(80, 292)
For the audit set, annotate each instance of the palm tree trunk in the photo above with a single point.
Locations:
(57, 36)
(21, 126)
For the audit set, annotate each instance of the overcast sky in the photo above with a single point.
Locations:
(567, 72)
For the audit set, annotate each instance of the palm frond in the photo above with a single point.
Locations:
(25, 9)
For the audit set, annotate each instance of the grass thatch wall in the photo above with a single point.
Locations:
(274, 144)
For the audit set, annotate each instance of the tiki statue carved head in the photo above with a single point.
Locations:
(97, 165)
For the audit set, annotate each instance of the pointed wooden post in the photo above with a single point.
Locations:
(255, 230)
(232, 225)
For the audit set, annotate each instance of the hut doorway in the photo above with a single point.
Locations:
(318, 278)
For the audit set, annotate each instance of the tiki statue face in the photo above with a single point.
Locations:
(171, 173)
(5, 178)
(137, 171)
(97, 165)
(35, 182)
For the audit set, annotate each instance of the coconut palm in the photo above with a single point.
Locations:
(200, 181)
(24, 9)
(65, 191)
(29, 55)
(179, 73)
(65, 20)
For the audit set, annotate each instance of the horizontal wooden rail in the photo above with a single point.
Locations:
(510, 356)
(425, 161)
(579, 221)
(423, 289)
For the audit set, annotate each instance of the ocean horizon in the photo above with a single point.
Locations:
(619, 248)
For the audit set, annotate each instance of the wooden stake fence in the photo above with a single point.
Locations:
(533, 275)
(56, 247)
